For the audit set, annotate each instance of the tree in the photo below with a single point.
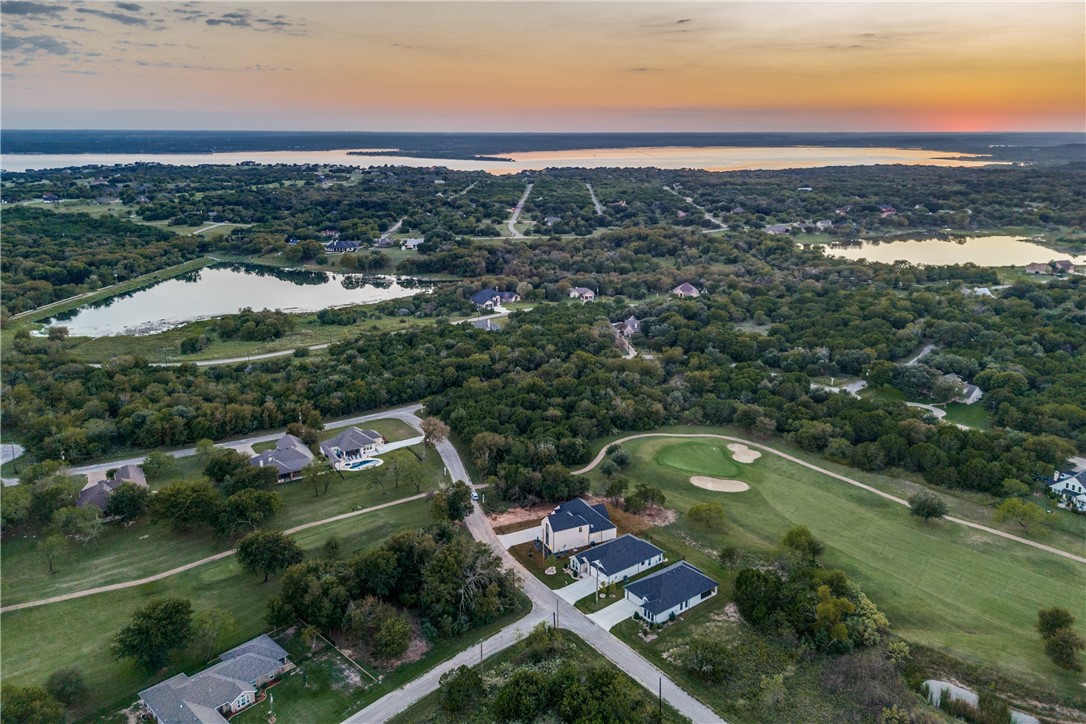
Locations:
(1019, 511)
(250, 509)
(128, 501)
(51, 546)
(434, 432)
(163, 625)
(927, 505)
(392, 637)
(616, 488)
(461, 689)
(204, 448)
(67, 686)
(1051, 620)
(29, 705)
(1014, 488)
(158, 465)
(758, 595)
(453, 503)
(710, 516)
(78, 524)
(268, 552)
(1062, 648)
(332, 547)
(187, 503)
(485, 447)
(314, 475)
(208, 629)
(800, 540)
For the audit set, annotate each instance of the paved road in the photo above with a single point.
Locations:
(512, 223)
(393, 229)
(209, 228)
(595, 201)
(916, 360)
(202, 561)
(405, 414)
(901, 501)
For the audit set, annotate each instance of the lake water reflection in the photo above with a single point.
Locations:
(984, 251)
(225, 289)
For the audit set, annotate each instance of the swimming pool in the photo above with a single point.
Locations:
(361, 464)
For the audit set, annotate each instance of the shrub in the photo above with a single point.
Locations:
(927, 505)
(710, 516)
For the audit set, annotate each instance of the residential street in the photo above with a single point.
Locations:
(512, 223)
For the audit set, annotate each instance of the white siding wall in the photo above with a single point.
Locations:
(677, 610)
(632, 570)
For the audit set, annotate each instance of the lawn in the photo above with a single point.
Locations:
(965, 592)
(536, 563)
(145, 548)
(699, 458)
(428, 709)
(392, 428)
(38, 641)
(969, 415)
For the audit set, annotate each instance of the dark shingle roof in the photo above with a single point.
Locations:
(289, 456)
(483, 296)
(96, 495)
(352, 439)
(263, 645)
(671, 586)
(620, 554)
(130, 474)
(576, 513)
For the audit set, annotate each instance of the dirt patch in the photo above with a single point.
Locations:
(660, 517)
(719, 485)
(743, 454)
(730, 614)
(516, 519)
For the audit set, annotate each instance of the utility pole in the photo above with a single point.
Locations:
(480, 656)
(661, 698)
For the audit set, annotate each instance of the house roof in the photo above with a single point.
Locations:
(577, 513)
(621, 553)
(508, 296)
(484, 296)
(96, 494)
(182, 699)
(352, 439)
(130, 474)
(686, 288)
(670, 587)
(583, 291)
(342, 245)
(290, 456)
(632, 324)
(486, 325)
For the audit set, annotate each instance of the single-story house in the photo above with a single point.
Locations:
(969, 393)
(686, 289)
(352, 444)
(583, 293)
(552, 220)
(630, 327)
(824, 225)
(576, 524)
(1071, 489)
(97, 494)
(1038, 268)
(383, 243)
(290, 457)
(508, 297)
(487, 325)
(220, 691)
(778, 228)
(616, 560)
(342, 245)
(671, 591)
(486, 298)
(1064, 266)
(412, 244)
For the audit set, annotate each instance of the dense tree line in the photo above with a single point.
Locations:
(50, 256)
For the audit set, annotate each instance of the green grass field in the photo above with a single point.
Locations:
(698, 458)
(428, 709)
(38, 641)
(964, 592)
(969, 415)
(145, 548)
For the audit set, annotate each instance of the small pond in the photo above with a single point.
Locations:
(226, 289)
(980, 250)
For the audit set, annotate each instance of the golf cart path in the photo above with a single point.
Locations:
(900, 501)
(202, 561)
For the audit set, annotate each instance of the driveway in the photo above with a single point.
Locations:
(576, 591)
(521, 536)
(613, 614)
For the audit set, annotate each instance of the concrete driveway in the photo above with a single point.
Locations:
(613, 614)
(521, 536)
(576, 591)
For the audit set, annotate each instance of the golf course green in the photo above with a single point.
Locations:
(698, 457)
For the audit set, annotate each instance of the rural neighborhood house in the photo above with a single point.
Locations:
(574, 525)
(671, 591)
(617, 560)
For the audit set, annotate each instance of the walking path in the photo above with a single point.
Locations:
(209, 228)
(916, 360)
(394, 228)
(595, 201)
(202, 561)
(512, 223)
(901, 501)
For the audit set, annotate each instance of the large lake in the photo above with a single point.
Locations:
(980, 250)
(717, 158)
(225, 289)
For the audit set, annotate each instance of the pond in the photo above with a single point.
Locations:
(226, 289)
(980, 250)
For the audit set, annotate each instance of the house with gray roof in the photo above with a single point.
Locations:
(576, 524)
(289, 458)
(629, 327)
(672, 591)
(352, 444)
(617, 560)
(686, 289)
(342, 245)
(222, 690)
(583, 293)
(486, 298)
(1071, 490)
(97, 493)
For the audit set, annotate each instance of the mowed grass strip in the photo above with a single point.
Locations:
(146, 548)
(969, 593)
(38, 641)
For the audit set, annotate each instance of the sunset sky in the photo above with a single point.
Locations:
(556, 66)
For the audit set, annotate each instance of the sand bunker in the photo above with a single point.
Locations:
(719, 484)
(743, 454)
